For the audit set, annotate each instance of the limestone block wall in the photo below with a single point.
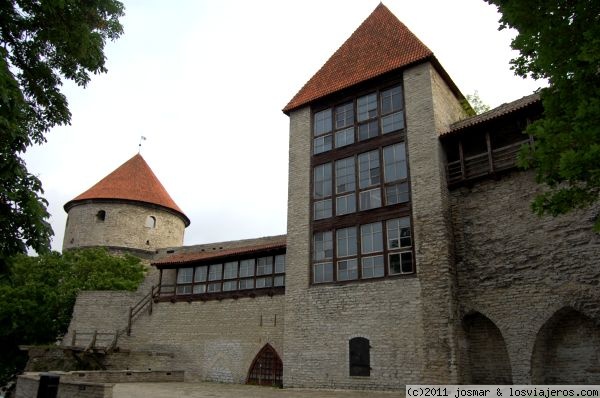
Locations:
(124, 225)
(211, 340)
(409, 322)
(105, 311)
(430, 108)
(535, 278)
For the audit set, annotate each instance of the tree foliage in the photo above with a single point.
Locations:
(37, 295)
(41, 43)
(477, 103)
(560, 41)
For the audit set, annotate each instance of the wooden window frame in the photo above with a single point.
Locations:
(360, 217)
(206, 293)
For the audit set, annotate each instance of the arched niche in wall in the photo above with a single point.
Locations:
(486, 351)
(567, 350)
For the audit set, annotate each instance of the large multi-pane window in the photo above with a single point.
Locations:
(360, 199)
(371, 250)
(380, 175)
(253, 273)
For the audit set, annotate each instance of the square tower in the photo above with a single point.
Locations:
(370, 296)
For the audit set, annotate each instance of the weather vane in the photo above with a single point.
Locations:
(142, 138)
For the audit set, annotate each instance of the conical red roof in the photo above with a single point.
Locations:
(380, 44)
(134, 180)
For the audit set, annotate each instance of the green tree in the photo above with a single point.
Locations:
(477, 103)
(560, 41)
(37, 295)
(41, 43)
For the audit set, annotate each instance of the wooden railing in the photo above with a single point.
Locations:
(91, 341)
(482, 164)
(148, 301)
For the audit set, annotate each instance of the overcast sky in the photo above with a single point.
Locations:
(205, 82)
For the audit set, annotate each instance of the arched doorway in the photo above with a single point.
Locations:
(567, 350)
(486, 351)
(266, 368)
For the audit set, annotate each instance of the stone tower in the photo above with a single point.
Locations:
(128, 209)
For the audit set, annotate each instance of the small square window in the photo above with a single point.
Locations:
(322, 122)
(323, 272)
(230, 271)
(322, 144)
(344, 137)
(367, 107)
(323, 209)
(347, 269)
(368, 130)
(229, 286)
(397, 193)
(199, 289)
(184, 275)
(370, 199)
(279, 280)
(264, 282)
(372, 267)
(393, 122)
(214, 287)
(184, 289)
(215, 272)
(345, 204)
(246, 284)
(401, 263)
(264, 266)
(201, 273)
(280, 264)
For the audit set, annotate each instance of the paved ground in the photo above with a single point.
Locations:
(217, 390)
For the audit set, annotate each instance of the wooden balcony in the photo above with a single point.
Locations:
(487, 163)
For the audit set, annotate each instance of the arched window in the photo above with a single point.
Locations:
(360, 357)
(267, 368)
(150, 222)
(101, 216)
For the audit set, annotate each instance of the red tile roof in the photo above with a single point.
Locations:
(380, 44)
(202, 255)
(135, 181)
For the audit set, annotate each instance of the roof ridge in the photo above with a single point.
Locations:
(380, 44)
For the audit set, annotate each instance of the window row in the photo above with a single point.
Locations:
(253, 273)
(381, 181)
(373, 250)
(366, 117)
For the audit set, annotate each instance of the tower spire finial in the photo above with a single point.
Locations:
(142, 138)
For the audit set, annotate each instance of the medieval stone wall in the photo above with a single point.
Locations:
(407, 321)
(430, 108)
(536, 279)
(211, 340)
(124, 226)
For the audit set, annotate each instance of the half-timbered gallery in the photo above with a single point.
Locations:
(411, 255)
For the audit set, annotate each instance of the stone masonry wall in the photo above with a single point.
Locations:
(211, 340)
(124, 226)
(430, 108)
(105, 311)
(320, 320)
(519, 270)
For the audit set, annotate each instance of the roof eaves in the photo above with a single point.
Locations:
(495, 113)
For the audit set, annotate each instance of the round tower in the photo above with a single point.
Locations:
(127, 209)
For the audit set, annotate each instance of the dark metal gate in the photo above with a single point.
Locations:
(267, 368)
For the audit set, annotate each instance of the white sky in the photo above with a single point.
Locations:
(205, 82)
